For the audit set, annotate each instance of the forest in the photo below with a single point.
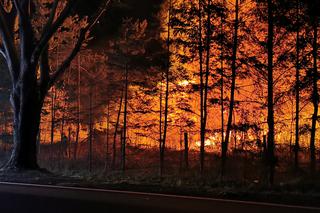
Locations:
(221, 90)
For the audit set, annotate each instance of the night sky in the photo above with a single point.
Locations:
(109, 25)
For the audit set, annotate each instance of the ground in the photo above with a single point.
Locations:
(245, 178)
(299, 193)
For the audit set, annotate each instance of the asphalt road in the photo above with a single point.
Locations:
(27, 198)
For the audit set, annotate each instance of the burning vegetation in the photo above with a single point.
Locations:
(211, 86)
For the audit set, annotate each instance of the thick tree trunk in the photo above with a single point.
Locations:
(270, 145)
(225, 144)
(27, 111)
(23, 59)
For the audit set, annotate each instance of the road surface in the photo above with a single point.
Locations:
(31, 198)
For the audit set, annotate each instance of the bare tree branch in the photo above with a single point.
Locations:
(26, 35)
(68, 60)
(51, 16)
(2, 51)
(82, 36)
(48, 33)
(44, 72)
(8, 46)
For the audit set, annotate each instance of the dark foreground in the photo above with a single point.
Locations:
(37, 198)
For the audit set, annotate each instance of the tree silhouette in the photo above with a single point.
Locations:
(27, 57)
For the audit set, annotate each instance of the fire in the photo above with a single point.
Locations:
(211, 142)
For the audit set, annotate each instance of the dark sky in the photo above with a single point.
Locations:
(110, 23)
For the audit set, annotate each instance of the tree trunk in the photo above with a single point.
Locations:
(124, 141)
(180, 149)
(160, 125)
(53, 114)
(27, 111)
(233, 88)
(107, 137)
(114, 147)
(222, 79)
(62, 134)
(23, 60)
(297, 146)
(270, 139)
(186, 150)
(90, 131)
(78, 110)
(202, 126)
(166, 107)
(69, 142)
(39, 140)
(207, 74)
(315, 94)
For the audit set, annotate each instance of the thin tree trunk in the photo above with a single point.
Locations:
(124, 141)
(207, 74)
(233, 88)
(69, 142)
(291, 128)
(78, 110)
(297, 146)
(186, 150)
(270, 139)
(107, 136)
(315, 94)
(166, 108)
(62, 137)
(39, 141)
(54, 98)
(53, 114)
(90, 130)
(160, 125)
(5, 123)
(202, 125)
(222, 78)
(114, 147)
(181, 151)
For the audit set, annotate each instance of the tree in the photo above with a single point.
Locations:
(6, 112)
(26, 56)
(272, 66)
(166, 75)
(296, 146)
(233, 87)
(271, 157)
(315, 94)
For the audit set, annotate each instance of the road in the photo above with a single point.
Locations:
(29, 198)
